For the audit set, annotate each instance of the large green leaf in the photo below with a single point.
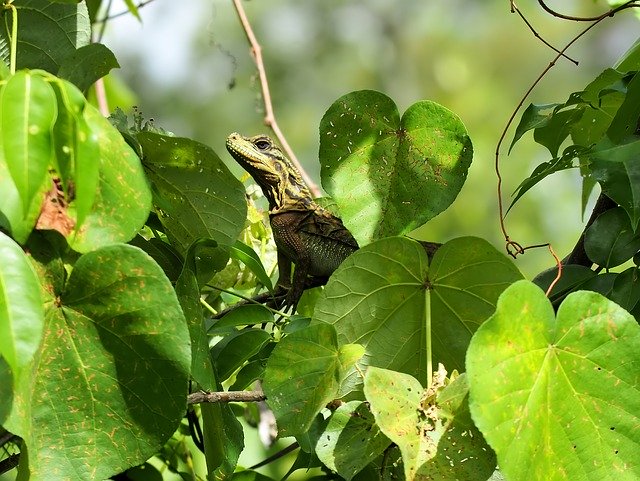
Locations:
(303, 374)
(388, 174)
(558, 396)
(110, 382)
(21, 310)
(55, 31)
(386, 297)
(123, 199)
(194, 193)
(27, 114)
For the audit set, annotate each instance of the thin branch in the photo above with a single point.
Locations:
(514, 8)
(108, 17)
(292, 447)
(269, 117)
(225, 397)
(609, 13)
(513, 247)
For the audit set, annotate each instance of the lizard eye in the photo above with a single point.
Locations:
(262, 144)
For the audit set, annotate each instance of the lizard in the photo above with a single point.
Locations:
(305, 233)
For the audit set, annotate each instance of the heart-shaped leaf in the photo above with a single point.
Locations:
(387, 298)
(558, 396)
(114, 331)
(388, 174)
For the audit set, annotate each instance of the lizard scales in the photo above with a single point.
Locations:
(305, 233)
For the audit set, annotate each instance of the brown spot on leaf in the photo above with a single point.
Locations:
(53, 215)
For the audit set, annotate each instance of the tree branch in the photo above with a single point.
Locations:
(225, 397)
(269, 116)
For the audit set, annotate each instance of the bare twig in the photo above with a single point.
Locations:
(514, 8)
(225, 397)
(278, 455)
(108, 17)
(513, 247)
(269, 117)
(597, 18)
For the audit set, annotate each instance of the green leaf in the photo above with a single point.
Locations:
(223, 439)
(77, 150)
(245, 315)
(88, 64)
(610, 240)
(163, 253)
(617, 170)
(626, 289)
(378, 166)
(554, 132)
(123, 199)
(249, 258)
(115, 330)
(463, 453)
(21, 309)
(557, 397)
(13, 218)
(396, 403)
(133, 9)
(533, 117)
(55, 31)
(188, 294)
(625, 122)
(233, 350)
(303, 374)
(350, 440)
(27, 114)
(385, 297)
(542, 171)
(195, 195)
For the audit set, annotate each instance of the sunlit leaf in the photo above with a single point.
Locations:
(388, 174)
(558, 396)
(27, 114)
(21, 309)
(386, 297)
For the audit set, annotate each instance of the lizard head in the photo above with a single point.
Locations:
(270, 168)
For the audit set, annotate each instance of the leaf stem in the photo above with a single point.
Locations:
(427, 312)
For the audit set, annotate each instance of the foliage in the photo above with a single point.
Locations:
(124, 249)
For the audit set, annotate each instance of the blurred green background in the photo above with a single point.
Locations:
(190, 68)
